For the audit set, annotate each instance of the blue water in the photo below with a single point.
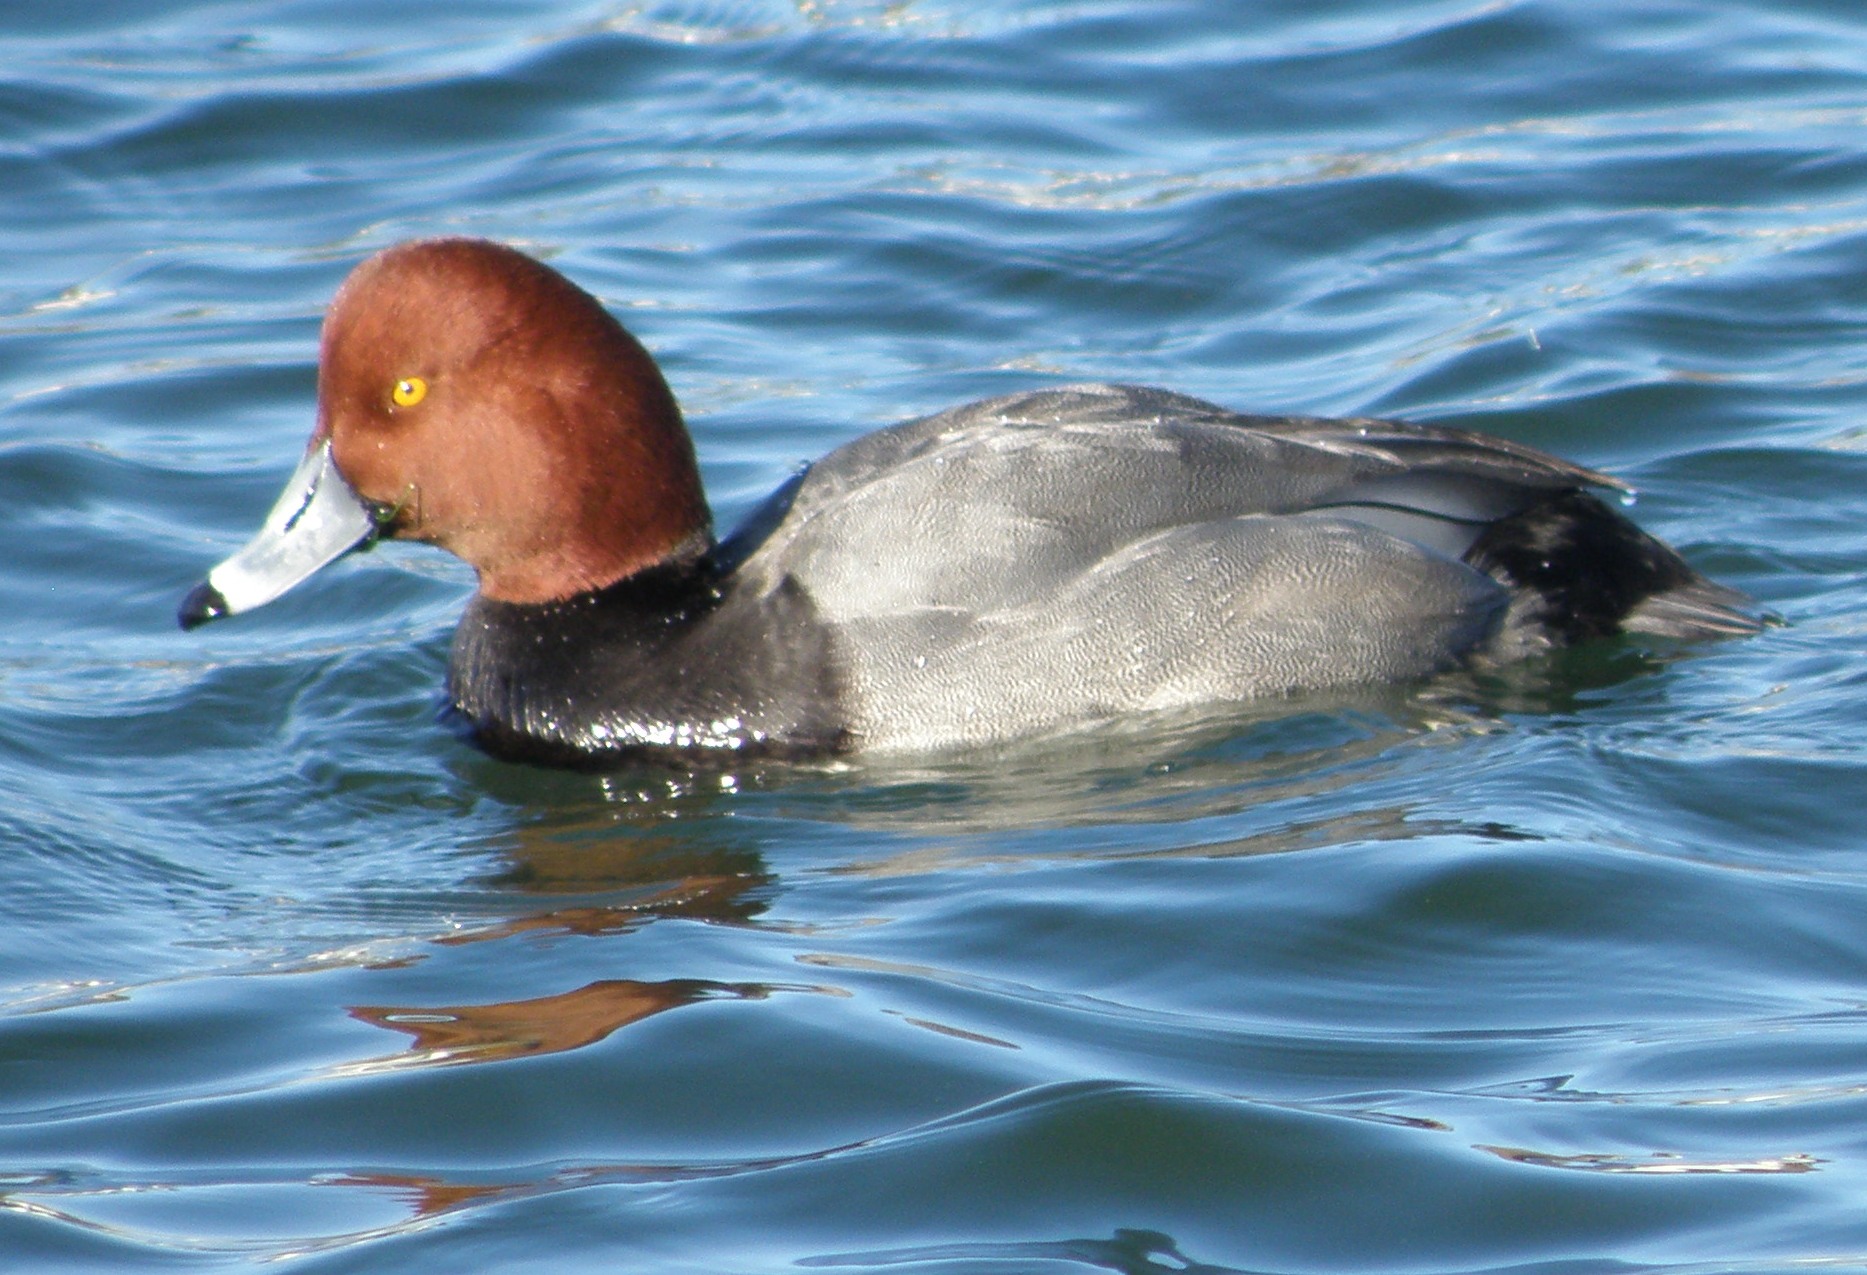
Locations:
(1562, 969)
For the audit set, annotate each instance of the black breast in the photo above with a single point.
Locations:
(672, 663)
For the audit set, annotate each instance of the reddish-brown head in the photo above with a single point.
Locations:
(508, 418)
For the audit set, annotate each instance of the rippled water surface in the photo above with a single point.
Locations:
(1563, 969)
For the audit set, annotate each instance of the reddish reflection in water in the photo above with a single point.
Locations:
(703, 898)
(579, 850)
(445, 1034)
(428, 1196)
(627, 875)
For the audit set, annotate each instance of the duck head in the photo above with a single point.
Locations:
(474, 398)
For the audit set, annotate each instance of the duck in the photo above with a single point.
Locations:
(1029, 564)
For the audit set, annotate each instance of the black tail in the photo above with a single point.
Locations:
(1581, 570)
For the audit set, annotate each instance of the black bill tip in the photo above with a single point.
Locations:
(202, 604)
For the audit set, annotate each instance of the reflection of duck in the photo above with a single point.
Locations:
(1011, 567)
(544, 1025)
(607, 871)
(610, 869)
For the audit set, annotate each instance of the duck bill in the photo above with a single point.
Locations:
(318, 518)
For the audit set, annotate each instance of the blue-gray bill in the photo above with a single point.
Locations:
(318, 518)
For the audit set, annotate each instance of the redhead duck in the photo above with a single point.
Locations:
(1013, 566)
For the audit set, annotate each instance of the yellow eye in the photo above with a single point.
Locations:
(409, 391)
